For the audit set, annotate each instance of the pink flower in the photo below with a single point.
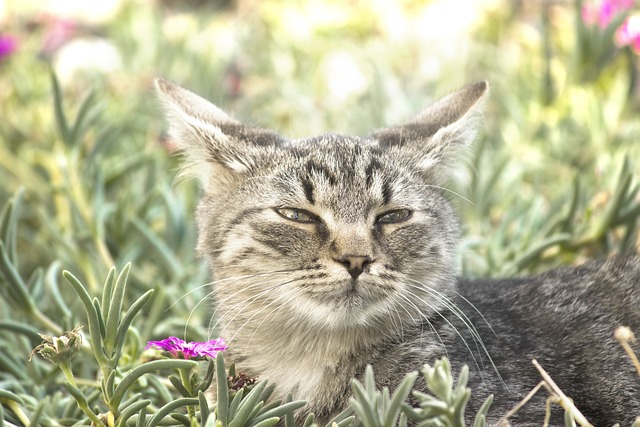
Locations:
(629, 33)
(187, 350)
(604, 12)
(59, 31)
(8, 45)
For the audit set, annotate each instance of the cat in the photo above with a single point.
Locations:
(334, 252)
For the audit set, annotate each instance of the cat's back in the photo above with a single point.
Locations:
(565, 319)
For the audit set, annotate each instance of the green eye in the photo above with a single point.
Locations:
(393, 217)
(298, 215)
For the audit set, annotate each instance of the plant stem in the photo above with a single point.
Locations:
(68, 373)
(184, 376)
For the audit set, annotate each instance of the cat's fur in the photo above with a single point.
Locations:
(314, 279)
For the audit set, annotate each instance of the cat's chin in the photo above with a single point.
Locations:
(353, 302)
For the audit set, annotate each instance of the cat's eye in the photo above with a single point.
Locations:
(394, 217)
(297, 215)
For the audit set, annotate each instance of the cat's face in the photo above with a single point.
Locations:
(334, 230)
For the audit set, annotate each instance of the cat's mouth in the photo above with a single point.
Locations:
(357, 293)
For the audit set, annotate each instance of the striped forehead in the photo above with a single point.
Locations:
(344, 172)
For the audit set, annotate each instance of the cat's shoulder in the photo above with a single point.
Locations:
(624, 268)
(606, 286)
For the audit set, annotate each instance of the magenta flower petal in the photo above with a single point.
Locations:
(176, 346)
(8, 45)
(629, 33)
(603, 12)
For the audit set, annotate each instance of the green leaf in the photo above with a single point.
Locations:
(163, 393)
(60, 118)
(308, 422)
(108, 385)
(51, 279)
(156, 365)
(235, 404)
(9, 224)
(280, 411)
(142, 417)
(21, 328)
(175, 381)
(17, 289)
(289, 419)
(7, 395)
(115, 309)
(268, 422)
(364, 404)
(342, 416)
(207, 378)
(609, 217)
(107, 291)
(182, 419)
(92, 318)
(81, 121)
(204, 407)
(96, 306)
(167, 255)
(127, 319)
(171, 406)
(346, 422)
(399, 396)
(534, 252)
(248, 405)
(480, 420)
(222, 388)
(131, 410)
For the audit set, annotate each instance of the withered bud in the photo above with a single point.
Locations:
(59, 349)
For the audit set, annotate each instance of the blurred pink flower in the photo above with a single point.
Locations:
(8, 45)
(180, 348)
(604, 12)
(629, 33)
(59, 31)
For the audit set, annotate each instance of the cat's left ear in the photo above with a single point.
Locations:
(436, 137)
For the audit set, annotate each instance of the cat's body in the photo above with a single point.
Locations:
(334, 252)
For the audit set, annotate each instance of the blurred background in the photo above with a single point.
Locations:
(560, 137)
(553, 178)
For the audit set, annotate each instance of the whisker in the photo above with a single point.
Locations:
(426, 319)
(475, 361)
(448, 190)
(280, 308)
(446, 301)
(234, 308)
(258, 312)
(484, 319)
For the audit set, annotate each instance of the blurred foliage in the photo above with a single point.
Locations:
(88, 179)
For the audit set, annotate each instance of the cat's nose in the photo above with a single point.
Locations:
(355, 264)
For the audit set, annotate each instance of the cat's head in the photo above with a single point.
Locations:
(333, 230)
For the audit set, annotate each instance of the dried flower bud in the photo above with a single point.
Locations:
(59, 349)
(624, 334)
(241, 380)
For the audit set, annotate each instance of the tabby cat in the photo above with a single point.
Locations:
(333, 252)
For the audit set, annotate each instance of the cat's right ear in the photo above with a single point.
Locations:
(219, 150)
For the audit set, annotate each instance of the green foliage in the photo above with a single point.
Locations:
(88, 182)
